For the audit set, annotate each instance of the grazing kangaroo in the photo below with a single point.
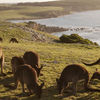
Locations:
(1, 60)
(15, 62)
(13, 40)
(95, 63)
(73, 73)
(32, 59)
(25, 74)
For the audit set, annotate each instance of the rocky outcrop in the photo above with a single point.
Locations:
(44, 28)
(34, 35)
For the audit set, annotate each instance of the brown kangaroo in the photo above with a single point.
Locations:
(32, 59)
(13, 40)
(96, 75)
(15, 62)
(25, 74)
(95, 63)
(73, 73)
(1, 60)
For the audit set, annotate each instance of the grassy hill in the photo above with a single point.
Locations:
(22, 33)
(55, 56)
(46, 10)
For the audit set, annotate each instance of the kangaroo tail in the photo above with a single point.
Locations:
(97, 62)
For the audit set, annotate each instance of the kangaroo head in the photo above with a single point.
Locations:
(96, 75)
(39, 90)
(38, 69)
(59, 85)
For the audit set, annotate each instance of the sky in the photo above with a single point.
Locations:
(17, 1)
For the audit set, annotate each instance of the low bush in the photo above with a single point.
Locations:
(75, 38)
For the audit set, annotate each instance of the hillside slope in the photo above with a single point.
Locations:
(54, 57)
(22, 33)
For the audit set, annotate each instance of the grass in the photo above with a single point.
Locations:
(46, 10)
(62, 54)
(23, 12)
(21, 33)
(55, 56)
(8, 30)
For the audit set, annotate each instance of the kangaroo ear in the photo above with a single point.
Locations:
(42, 85)
(41, 67)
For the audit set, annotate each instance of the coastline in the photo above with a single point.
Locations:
(44, 10)
(69, 7)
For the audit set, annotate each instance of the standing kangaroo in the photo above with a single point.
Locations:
(94, 63)
(25, 74)
(15, 62)
(73, 73)
(96, 75)
(1, 60)
(33, 59)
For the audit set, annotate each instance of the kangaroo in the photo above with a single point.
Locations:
(95, 63)
(1, 60)
(25, 74)
(13, 40)
(15, 62)
(32, 59)
(73, 73)
(96, 75)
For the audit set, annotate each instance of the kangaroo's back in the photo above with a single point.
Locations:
(31, 58)
(15, 62)
(94, 63)
(74, 72)
(27, 74)
(13, 40)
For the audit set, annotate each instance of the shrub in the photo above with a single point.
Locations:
(75, 38)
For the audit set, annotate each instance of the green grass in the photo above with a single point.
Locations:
(63, 54)
(21, 33)
(46, 10)
(55, 56)
(26, 12)
(8, 30)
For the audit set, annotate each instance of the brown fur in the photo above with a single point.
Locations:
(1, 40)
(94, 63)
(96, 75)
(13, 40)
(1, 60)
(15, 62)
(73, 73)
(32, 59)
(27, 75)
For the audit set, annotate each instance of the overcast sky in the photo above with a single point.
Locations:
(17, 1)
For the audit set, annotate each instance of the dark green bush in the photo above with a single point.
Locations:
(75, 38)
